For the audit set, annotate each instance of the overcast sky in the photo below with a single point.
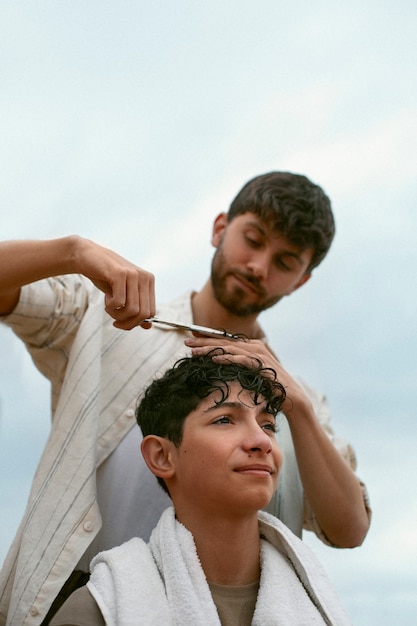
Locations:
(135, 123)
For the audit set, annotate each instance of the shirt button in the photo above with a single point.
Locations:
(130, 413)
(88, 526)
(34, 611)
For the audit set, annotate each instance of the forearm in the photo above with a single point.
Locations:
(129, 290)
(24, 262)
(330, 485)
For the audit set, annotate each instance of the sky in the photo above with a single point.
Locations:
(134, 124)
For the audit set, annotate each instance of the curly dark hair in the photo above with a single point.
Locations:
(169, 399)
(292, 205)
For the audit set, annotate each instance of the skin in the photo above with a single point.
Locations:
(260, 267)
(329, 484)
(224, 470)
(253, 268)
(129, 290)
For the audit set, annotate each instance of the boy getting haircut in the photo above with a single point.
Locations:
(214, 559)
(191, 380)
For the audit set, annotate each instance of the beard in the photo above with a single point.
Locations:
(234, 299)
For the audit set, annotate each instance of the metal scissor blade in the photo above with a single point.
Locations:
(203, 330)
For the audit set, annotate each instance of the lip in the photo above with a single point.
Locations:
(255, 470)
(246, 284)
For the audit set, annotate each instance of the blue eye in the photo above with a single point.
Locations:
(224, 419)
(270, 426)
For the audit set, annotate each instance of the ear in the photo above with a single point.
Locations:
(219, 227)
(157, 453)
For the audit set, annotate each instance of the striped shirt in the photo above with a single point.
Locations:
(97, 373)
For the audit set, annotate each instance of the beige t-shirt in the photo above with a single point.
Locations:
(235, 606)
(79, 610)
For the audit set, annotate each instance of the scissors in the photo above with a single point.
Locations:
(203, 330)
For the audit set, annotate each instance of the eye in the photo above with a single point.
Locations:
(271, 426)
(253, 240)
(224, 419)
(282, 265)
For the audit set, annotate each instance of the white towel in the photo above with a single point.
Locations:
(163, 582)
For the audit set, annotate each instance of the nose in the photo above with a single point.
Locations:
(257, 440)
(258, 264)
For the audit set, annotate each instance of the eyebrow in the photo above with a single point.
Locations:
(237, 405)
(230, 405)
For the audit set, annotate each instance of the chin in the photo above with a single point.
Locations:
(256, 503)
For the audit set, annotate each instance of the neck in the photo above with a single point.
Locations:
(207, 311)
(228, 549)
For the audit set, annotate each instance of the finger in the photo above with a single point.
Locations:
(138, 293)
(132, 304)
(244, 359)
(112, 306)
(115, 300)
(205, 341)
(132, 322)
(143, 310)
(224, 353)
(143, 302)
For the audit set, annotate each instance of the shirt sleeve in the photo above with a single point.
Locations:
(47, 318)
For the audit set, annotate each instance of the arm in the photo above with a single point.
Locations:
(129, 290)
(331, 487)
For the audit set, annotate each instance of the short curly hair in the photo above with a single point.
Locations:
(170, 398)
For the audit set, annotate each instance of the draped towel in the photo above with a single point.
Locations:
(163, 582)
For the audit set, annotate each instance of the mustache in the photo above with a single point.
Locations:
(252, 280)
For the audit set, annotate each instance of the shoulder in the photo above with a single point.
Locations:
(121, 554)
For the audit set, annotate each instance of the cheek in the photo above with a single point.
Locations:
(237, 252)
(276, 451)
(196, 458)
(207, 458)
